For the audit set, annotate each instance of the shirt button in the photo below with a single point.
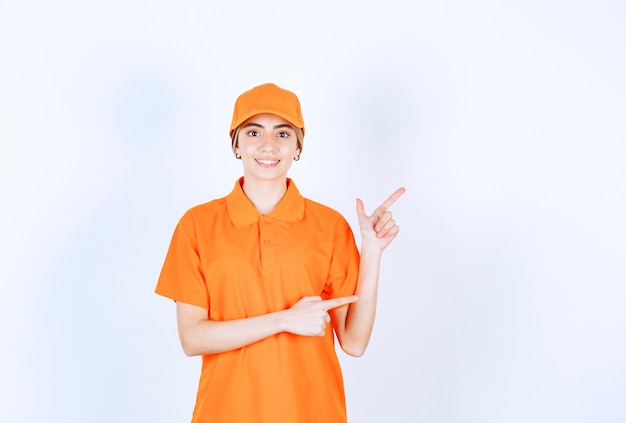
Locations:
(267, 241)
(267, 221)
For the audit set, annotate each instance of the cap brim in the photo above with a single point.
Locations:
(291, 119)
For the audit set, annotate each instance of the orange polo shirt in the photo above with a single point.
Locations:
(227, 258)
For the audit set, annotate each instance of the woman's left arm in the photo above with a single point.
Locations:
(353, 325)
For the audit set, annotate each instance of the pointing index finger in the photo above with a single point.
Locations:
(392, 199)
(338, 302)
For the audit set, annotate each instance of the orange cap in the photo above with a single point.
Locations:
(267, 98)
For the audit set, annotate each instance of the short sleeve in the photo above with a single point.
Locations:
(344, 265)
(181, 278)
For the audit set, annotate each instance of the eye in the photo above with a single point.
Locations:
(253, 133)
(283, 134)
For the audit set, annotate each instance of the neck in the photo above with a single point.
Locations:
(264, 195)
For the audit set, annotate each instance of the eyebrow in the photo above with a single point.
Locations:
(258, 125)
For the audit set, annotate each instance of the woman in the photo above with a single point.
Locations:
(258, 276)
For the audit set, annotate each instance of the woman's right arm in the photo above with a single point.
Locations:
(201, 336)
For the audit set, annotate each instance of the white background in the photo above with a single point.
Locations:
(501, 301)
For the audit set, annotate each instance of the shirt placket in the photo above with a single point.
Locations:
(268, 240)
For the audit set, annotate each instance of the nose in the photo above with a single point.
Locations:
(267, 143)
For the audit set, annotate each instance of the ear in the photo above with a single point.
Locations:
(234, 140)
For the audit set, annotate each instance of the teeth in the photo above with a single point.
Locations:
(267, 162)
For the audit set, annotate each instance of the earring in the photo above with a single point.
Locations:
(297, 157)
(238, 156)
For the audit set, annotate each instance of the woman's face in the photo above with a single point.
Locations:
(267, 145)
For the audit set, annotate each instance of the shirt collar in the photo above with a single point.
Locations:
(242, 212)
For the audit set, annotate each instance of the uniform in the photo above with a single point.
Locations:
(227, 258)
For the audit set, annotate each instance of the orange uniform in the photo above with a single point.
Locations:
(227, 258)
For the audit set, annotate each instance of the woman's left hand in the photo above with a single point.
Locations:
(378, 229)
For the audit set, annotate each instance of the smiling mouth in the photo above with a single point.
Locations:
(267, 162)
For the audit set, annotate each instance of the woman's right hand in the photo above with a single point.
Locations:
(309, 316)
